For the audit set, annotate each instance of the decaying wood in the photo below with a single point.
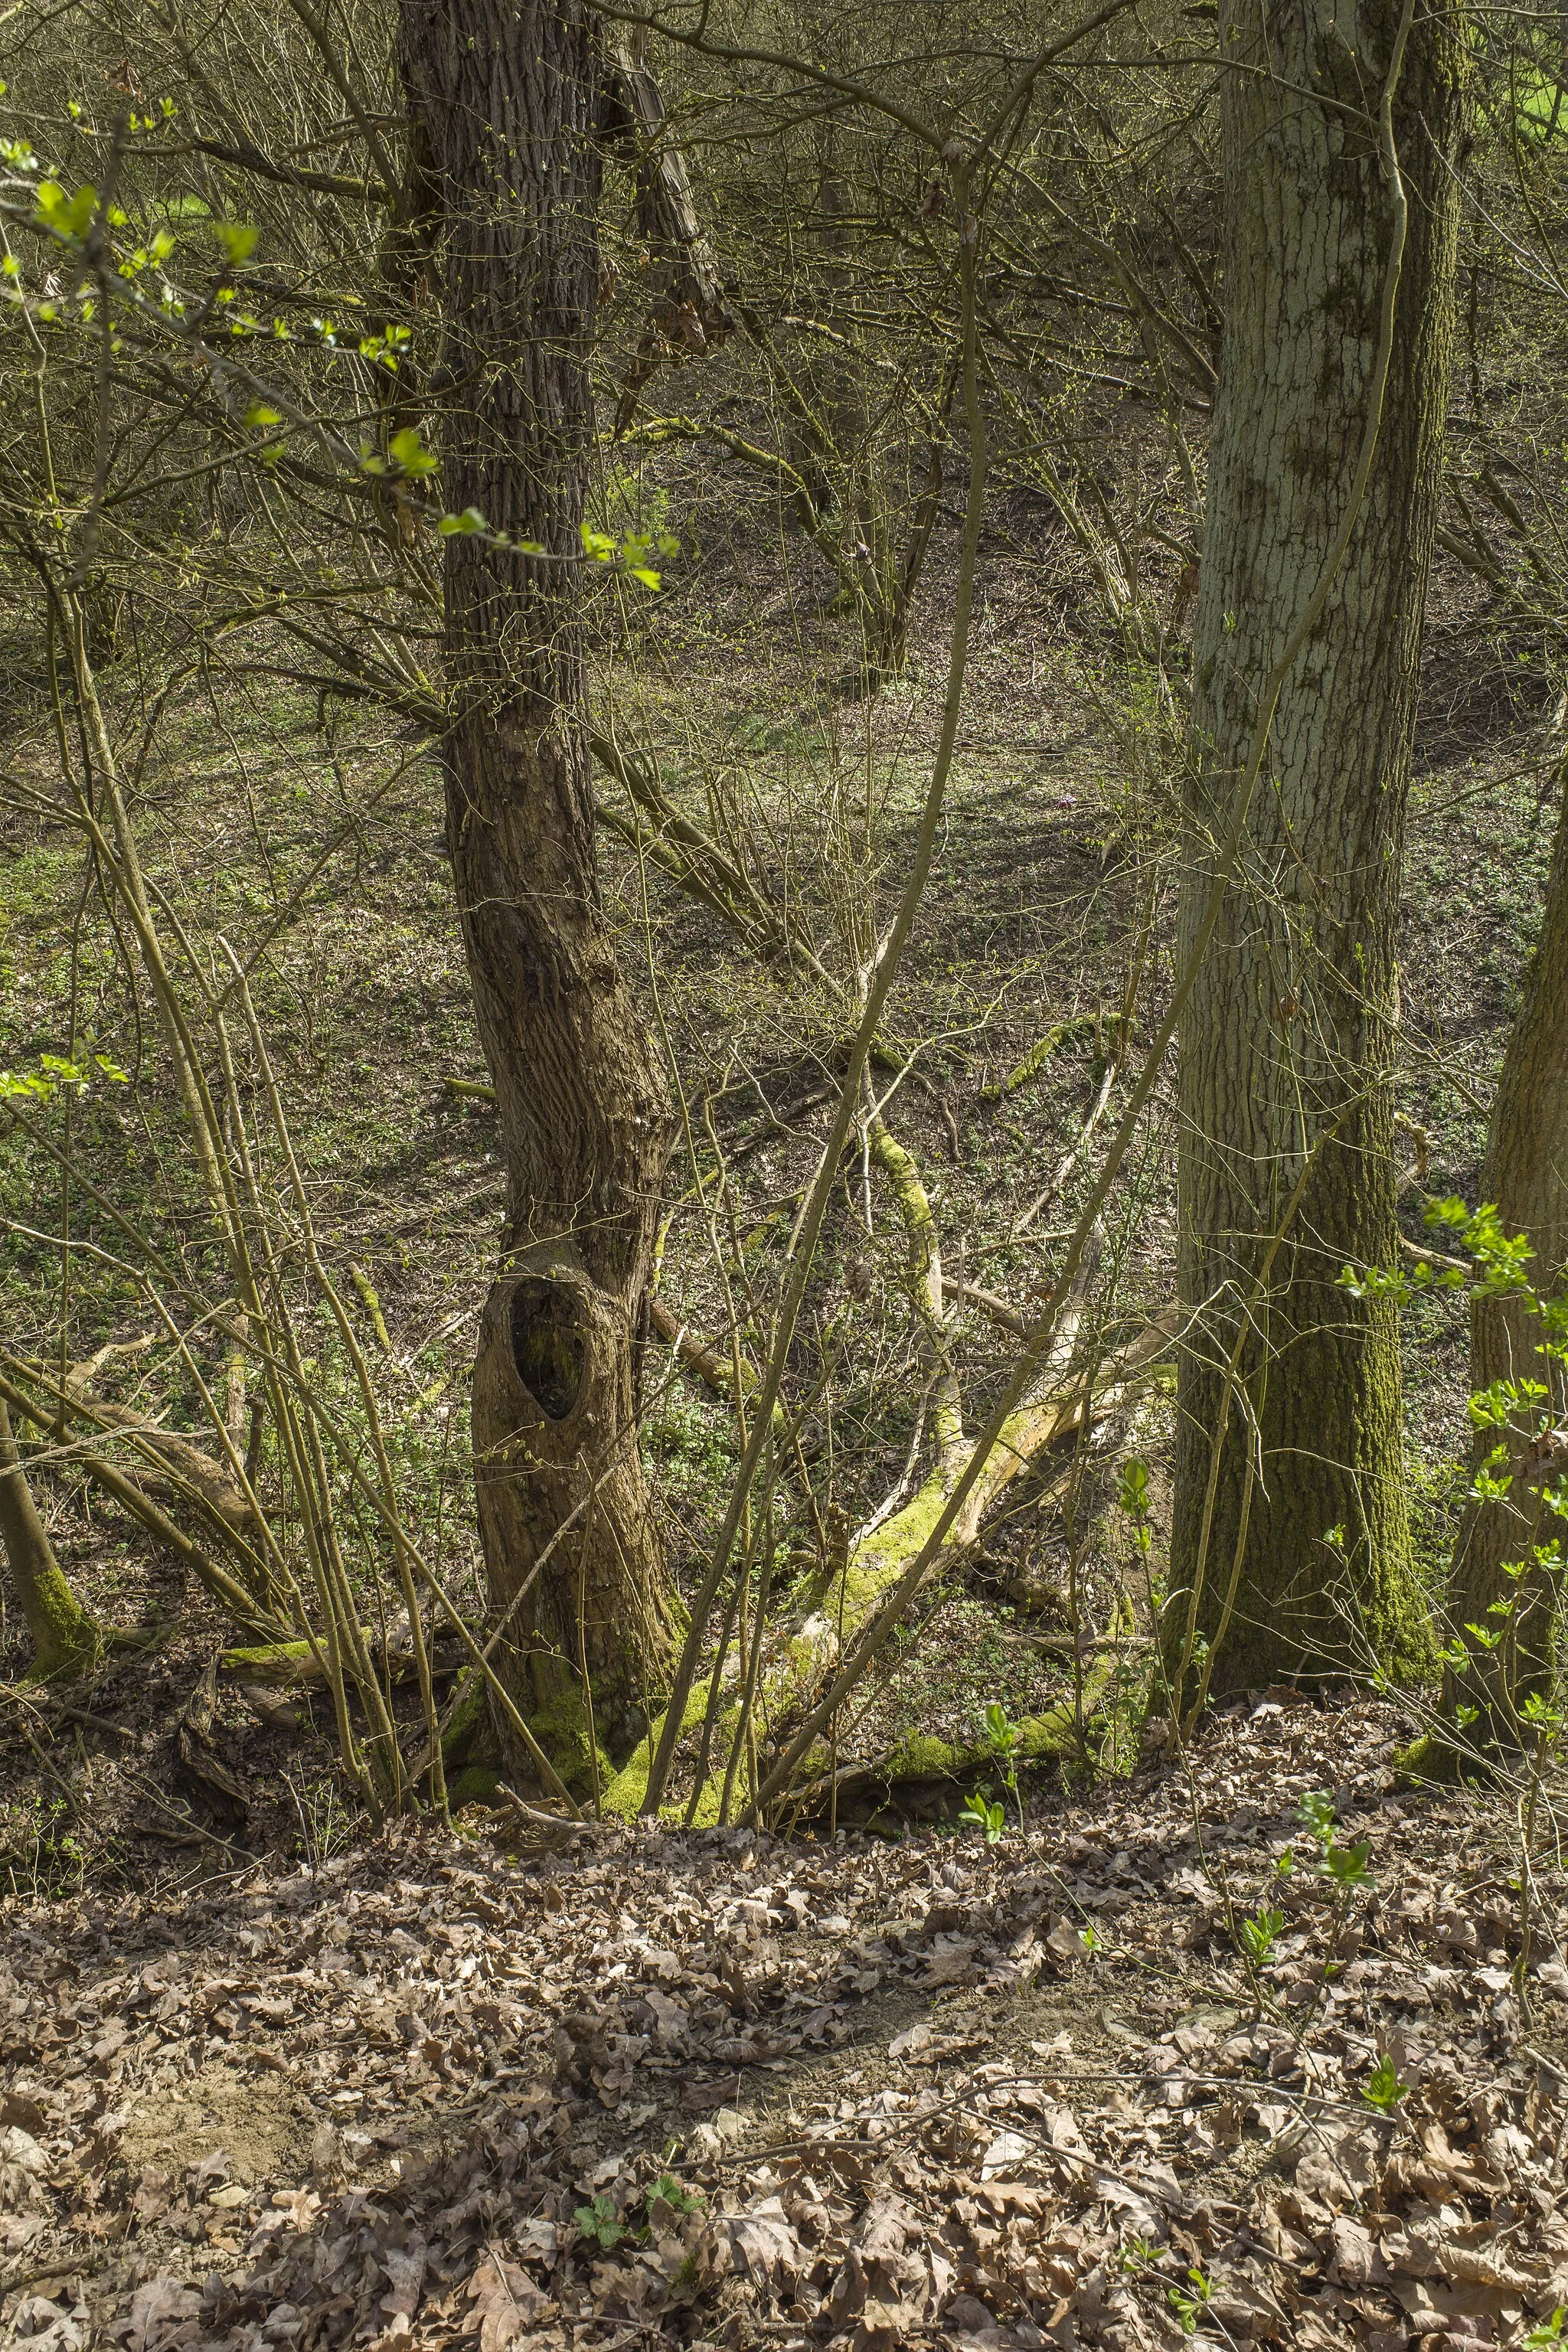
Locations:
(193, 1743)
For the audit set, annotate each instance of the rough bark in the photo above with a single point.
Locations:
(65, 1639)
(1287, 1045)
(1525, 1172)
(508, 106)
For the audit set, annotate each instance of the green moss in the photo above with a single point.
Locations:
(1428, 1760)
(922, 1758)
(72, 1644)
(469, 1738)
(560, 1728)
(279, 1663)
(1042, 1739)
(625, 1790)
(476, 1785)
(885, 1555)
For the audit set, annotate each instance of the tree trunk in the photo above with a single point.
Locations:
(65, 1639)
(1286, 1047)
(1525, 1173)
(508, 108)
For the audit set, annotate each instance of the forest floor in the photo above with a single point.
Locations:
(716, 2088)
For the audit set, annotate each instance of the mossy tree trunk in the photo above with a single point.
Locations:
(1289, 1404)
(65, 1639)
(1525, 1172)
(511, 108)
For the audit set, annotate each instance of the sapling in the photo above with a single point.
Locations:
(1259, 1935)
(600, 2223)
(1383, 2088)
(1004, 1736)
(1509, 1653)
(989, 1817)
(1191, 2301)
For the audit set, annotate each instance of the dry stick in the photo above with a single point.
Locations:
(123, 863)
(878, 1628)
(166, 1454)
(300, 1444)
(881, 981)
(376, 1706)
(582, 1658)
(734, 1384)
(1075, 1153)
(132, 1497)
(746, 1730)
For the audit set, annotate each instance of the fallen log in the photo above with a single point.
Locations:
(804, 1651)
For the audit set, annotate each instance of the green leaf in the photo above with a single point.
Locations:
(1346, 1864)
(987, 1817)
(66, 216)
(238, 239)
(1259, 1936)
(1383, 2088)
(1316, 1814)
(410, 452)
(1132, 1494)
(601, 2222)
(451, 525)
(668, 2190)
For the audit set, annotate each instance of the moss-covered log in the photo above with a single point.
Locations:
(801, 1653)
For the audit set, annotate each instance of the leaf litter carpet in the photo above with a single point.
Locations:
(721, 2089)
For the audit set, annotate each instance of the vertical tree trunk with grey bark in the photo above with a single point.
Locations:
(509, 116)
(1289, 1401)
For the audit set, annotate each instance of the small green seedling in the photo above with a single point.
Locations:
(600, 2221)
(1383, 2088)
(1316, 1814)
(989, 1817)
(1260, 1934)
(1346, 1864)
(1190, 2308)
(1004, 1736)
(668, 2190)
(1546, 2332)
